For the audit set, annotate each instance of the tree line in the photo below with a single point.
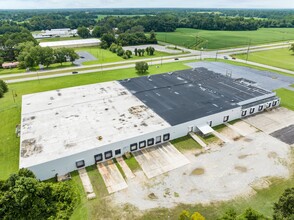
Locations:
(164, 20)
(22, 196)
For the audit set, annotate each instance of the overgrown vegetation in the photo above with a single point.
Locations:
(22, 196)
(3, 88)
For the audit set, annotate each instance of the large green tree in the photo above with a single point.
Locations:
(84, 32)
(284, 208)
(23, 197)
(141, 67)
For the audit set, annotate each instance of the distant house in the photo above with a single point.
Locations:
(10, 65)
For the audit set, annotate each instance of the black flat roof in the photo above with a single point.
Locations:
(187, 95)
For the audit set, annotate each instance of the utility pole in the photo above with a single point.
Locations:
(38, 76)
(216, 55)
(13, 96)
(248, 50)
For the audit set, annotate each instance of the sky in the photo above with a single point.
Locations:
(46, 4)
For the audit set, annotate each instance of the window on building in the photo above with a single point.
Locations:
(108, 154)
(80, 163)
(226, 118)
(260, 108)
(142, 144)
(210, 123)
(244, 113)
(166, 137)
(150, 141)
(158, 139)
(98, 157)
(134, 147)
(269, 105)
(252, 110)
(275, 103)
(117, 152)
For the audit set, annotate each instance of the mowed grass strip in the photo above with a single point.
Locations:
(185, 143)
(190, 38)
(106, 56)
(282, 58)
(287, 98)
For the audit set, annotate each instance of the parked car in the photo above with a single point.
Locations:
(226, 58)
(176, 58)
(75, 72)
(233, 58)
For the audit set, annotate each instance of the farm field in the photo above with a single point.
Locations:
(196, 39)
(106, 56)
(282, 58)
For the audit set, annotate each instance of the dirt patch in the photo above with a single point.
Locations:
(260, 184)
(244, 156)
(198, 172)
(152, 196)
(241, 169)
(272, 154)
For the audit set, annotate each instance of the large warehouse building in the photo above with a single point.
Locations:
(72, 43)
(63, 130)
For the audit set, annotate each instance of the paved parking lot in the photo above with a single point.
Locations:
(160, 159)
(285, 134)
(112, 177)
(273, 120)
(265, 79)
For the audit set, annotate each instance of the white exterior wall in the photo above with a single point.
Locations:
(67, 164)
(265, 106)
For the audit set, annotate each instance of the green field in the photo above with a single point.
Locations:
(196, 39)
(106, 56)
(282, 58)
(287, 98)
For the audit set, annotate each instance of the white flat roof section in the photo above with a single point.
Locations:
(64, 122)
(71, 43)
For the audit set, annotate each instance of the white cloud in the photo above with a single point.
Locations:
(40, 4)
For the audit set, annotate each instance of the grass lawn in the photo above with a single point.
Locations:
(105, 56)
(195, 38)
(287, 98)
(132, 163)
(10, 111)
(282, 58)
(58, 39)
(55, 66)
(185, 143)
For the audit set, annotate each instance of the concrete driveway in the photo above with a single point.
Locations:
(160, 159)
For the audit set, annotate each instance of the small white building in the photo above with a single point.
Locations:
(64, 32)
(72, 43)
(66, 129)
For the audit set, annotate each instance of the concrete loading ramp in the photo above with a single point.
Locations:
(160, 159)
(87, 184)
(127, 171)
(112, 177)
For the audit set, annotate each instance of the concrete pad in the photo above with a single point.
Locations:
(112, 177)
(230, 133)
(87, 184)
(272, 121)
(236, 129)
(160, 159)
(246, 128)
(197, 139)
(129, 174)
(221, 137)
